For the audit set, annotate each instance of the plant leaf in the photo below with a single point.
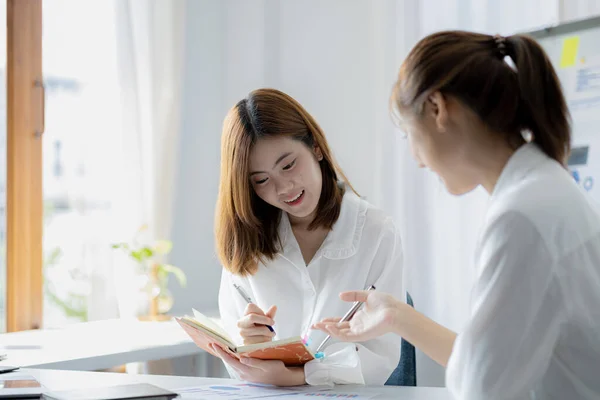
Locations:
(146, 252)
(137, 255)
(178, 272)
(161, 273)
(162, 246)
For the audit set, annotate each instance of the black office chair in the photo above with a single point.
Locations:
(405, 373)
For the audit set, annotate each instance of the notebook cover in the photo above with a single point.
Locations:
(133, 391)
(292, 354)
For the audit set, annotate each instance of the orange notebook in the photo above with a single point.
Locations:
(205, 331)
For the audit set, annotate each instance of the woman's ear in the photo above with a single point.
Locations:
(318, 152)
(438, 106)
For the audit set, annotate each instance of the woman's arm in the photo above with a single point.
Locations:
(382, 313)
(424, 333)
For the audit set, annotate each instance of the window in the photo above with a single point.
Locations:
(79, 147)
(96, 176)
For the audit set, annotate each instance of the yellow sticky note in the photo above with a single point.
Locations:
(569, 52)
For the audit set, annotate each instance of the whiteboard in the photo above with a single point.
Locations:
(574, 49)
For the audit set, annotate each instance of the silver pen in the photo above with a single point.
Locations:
(347, 317)
(248, 300)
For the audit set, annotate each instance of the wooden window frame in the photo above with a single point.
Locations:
(24, 197)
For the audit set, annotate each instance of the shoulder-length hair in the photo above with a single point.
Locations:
(246, 227)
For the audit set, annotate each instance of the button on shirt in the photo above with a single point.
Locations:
(534, 331)
(362, 249)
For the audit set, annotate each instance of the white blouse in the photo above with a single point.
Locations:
(534, 331)
(362, 249)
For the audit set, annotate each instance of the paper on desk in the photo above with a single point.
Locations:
(332, 395)
(247, 391)
(235, 391)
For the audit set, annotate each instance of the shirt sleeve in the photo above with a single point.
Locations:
(517, 313)
(230, 310)
(373, 361)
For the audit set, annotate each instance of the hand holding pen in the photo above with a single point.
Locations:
(255, 326)
(333, 326)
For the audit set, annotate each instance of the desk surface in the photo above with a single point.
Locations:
(66, 380)
(96, 345)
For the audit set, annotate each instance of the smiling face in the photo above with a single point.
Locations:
(286, 174)
(274, 158)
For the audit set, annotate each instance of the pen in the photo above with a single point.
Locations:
(347, 317)
(248, 300)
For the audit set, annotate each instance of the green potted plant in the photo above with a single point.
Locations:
(149, 259)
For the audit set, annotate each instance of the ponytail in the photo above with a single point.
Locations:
(543, 108)
(470, 66)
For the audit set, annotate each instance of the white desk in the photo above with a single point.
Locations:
(97, 345)
(65, 380)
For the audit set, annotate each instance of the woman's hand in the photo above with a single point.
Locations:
(261, 371)
(253, 326)
(378, 316)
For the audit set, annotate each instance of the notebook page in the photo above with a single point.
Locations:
(211, 324)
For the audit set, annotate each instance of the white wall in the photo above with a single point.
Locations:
(198, 170)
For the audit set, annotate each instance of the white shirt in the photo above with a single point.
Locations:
(362, 249)
(534, 331)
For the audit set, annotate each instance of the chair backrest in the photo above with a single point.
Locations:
(405, 373)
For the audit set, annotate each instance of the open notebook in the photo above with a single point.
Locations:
(205, 331)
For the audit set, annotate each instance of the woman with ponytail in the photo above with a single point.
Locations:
(489, 111)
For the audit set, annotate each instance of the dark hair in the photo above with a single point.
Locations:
(471, 67)
(246, 227)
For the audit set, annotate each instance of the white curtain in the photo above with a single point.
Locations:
(150, 63)
(149, 36)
